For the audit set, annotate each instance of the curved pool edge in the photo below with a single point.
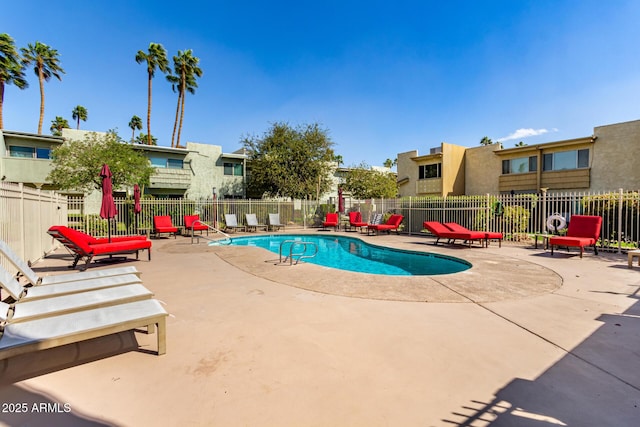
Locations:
(450, 264)
(489, 280)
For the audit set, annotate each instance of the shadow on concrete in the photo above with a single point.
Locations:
(37, 363)
(23, 406)
(595, 384)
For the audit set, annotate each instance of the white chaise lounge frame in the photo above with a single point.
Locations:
(49, 332)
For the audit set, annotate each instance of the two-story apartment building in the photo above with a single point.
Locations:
(193, 172)
(439, 173)
(604, 161)
(26, 157)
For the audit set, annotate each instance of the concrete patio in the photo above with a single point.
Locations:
(520, 339)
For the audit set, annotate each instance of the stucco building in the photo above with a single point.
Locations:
(604, 161)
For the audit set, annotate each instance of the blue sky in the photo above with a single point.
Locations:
(382, 78)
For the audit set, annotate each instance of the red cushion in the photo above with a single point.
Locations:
(120, 247)
(584, 226)
(571, 241)
(163, 224)
(118, 239)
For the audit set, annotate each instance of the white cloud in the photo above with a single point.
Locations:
(525, 133)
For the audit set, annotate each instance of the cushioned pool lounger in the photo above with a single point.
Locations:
(19, 293)
(35, 280)
(47, 307)
(40, 334)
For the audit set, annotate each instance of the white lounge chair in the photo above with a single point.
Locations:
(231, 223)
(39, 334)
(252, 222)
(274, 222)
(18, 292)
(22, 311)
(35, 280)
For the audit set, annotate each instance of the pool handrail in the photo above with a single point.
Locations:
(210, 227)
(299, 255)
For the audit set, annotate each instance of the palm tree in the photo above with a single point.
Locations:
(390, 163)
(79, 113)
(135, 123)
(57, 125)
(11, 68)
(46, 63)
(155, 58)
(520, 144)
(486, 141)
(186, 70)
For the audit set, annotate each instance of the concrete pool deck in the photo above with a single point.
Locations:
(520, 339)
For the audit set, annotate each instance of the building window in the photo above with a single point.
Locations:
(233, 169)
(430, 171)
(163, 162)
(29, 152)
(175, 163)
(563, 160)
(520, 165)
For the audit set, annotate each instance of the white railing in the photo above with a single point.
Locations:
(25, 216)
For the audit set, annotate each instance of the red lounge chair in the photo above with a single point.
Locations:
(393, 223)
(355, 221)
(331, 220)
(488, 235)
(192, 223)
(584, 230)
(86, 246)
(163, 224)
(440, 231)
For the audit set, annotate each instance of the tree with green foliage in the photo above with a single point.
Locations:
(57, 125)
(142, 138)
(366, 183)
(135, 124)
(185, 67)
(46, 63)
(290, 162)
(156, 57)
(11, 69)
(76, 164)
(486, 141)
(79, 113)
(390, 163)
(520, 144)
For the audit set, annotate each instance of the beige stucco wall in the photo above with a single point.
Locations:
(453, 168)
(616, 157)
(482, 169)
(407, 173)
(30, 171)
(206, 175)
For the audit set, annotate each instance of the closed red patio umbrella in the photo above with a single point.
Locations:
(136, 199)
(136, 203)
(108, 208)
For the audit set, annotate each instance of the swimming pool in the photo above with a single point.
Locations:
(351, 254)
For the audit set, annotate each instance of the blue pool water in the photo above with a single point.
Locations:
(348, 253)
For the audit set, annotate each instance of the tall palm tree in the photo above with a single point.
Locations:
(156, 57)
(135, 123)
(186, 69)
(11, 69)
(57, 125)
(46, 63)
(79, 113)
